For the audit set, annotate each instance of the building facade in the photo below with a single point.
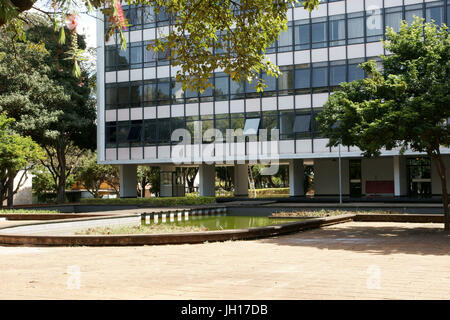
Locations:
(140, 105)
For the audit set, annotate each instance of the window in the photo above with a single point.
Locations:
(207, 95)
(134, 18)
(222, 124)
(302, 126)
(149, 16)
(237, 89)
(122, 136)
(285, 40)
(413, 11)
(337, 30)
(124, 59)
(150, 93)
(394, 18)
(163, 91)
(251, 126)
(286, 80)
(338, 72)
(136, 94)
(134, 133)
(319, 32)
(149, 56)
(355, 27)
(111, 134)
(269, 122)
(191, 96)
(374, 25)
(150, 132)
(135, 55)
(286, 125)
(221, 87)
(110, 58)
(164, 132)
(302, 34)
(124, 95)
(435, 11)
(354, 72)
(320, 75)
(302, 78)
(271, 83)
(110, 96)
(177, 92)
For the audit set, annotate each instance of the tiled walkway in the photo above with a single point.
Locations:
(345, 261)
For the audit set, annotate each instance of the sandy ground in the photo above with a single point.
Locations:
(354, 260)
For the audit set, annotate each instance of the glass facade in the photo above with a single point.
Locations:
(304, 79)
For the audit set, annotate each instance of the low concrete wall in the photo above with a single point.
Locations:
(418, 218)
(47, 216)
(159, 239)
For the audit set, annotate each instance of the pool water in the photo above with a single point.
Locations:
(222, 222)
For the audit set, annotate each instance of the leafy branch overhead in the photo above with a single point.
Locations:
(241, 30)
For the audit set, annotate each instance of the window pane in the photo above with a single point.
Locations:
(302, 123)
(221, 88)
(251, 126)
(123, 94)
(177, 92)
(285, 39)
(337, 74)
(411, 14)
(302, 37)
(302, 77)
(110, 95)
(124, 59)
(237, 90)
(337, 32)
(286, 125)
(320, 77)
(393, 20)
(164, 130)
(164, 92)
(319, 34)
(150, 91)
(355, 73)
(436, 14)
(355, 29)
(150, 132)
(136, 93)
(136, 55)
(286, 80)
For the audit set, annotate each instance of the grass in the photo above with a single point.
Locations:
(142, 229)
(154, 201)
(27, 211)
(326, 213)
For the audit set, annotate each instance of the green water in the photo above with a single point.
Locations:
(222, 222)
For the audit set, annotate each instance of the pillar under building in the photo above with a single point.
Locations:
(207, 174)
(128, 181)
(241, 180)
(400, 181)
(296, 178)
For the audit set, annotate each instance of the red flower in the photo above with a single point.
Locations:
(72, 21)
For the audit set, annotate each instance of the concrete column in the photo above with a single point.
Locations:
(128, 181)
(296, 178)
(400, 182)
(207, 180)
(241, 180)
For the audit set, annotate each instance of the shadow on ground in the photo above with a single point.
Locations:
(382, 239)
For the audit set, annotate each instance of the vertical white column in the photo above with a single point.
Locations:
(241, 180)
(296, 177)
(207, 180)
(100, 88)
(128, 181)
(400, 183)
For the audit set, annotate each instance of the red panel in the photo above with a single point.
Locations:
(379, 186)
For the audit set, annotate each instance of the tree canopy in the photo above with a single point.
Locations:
(406, 105)
(240, 29)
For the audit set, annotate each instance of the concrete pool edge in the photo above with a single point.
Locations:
(160, 239)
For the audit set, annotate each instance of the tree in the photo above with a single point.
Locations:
(148, 176)
(240, 30)
(91, 175)
(16, 153)
(404, 106)
(49, 103)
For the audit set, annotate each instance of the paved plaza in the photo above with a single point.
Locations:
(355, 260)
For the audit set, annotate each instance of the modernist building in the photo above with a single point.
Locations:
(140, 104)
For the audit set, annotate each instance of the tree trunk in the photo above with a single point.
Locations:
(10, 199)
(440, 166)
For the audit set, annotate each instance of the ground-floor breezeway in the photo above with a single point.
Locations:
(412, 176)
